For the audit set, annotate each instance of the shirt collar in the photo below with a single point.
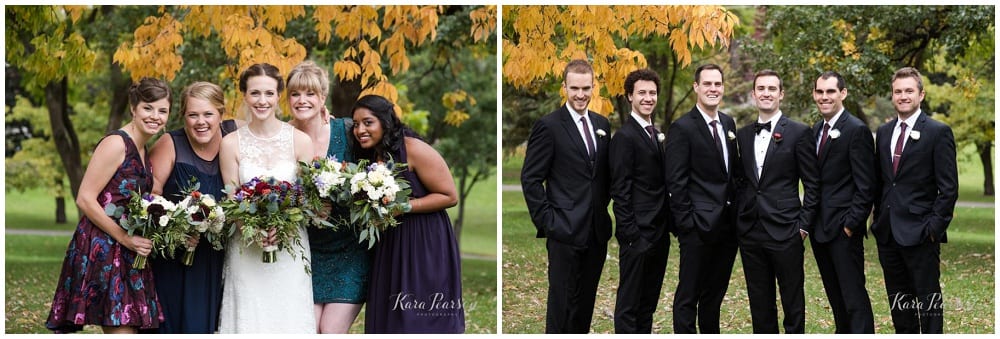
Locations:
(708, 119)
(642, 122)
(912, 120)
(775, 118)
(576, 115)
(835, 118)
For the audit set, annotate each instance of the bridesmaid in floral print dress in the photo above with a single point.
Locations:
(98, 285)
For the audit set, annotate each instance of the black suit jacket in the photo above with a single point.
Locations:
(918, 201)
(701, 188)
(566, 191)
(773, 199)
(638, 184)
(846, 178)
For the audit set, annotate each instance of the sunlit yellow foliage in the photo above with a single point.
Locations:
(544, 38)
(483, 22)
(453, 102)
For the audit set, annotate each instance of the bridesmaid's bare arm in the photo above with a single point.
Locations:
(434, 174)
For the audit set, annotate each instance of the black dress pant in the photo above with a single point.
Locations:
(574, 273)
(841, 263)
(703, 279)
(641, 267)
(764, 261)
(912, 283)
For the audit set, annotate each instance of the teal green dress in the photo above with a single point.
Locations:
(339, 263)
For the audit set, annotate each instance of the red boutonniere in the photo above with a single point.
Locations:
(776, 137)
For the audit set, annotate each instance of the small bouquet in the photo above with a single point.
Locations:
(324, 179)
(198, 214)
(378, 196)
(268, 205)
(146, 214)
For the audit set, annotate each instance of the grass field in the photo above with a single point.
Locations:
(32, 262)
(967, 278)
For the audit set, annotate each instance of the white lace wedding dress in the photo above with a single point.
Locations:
(263, 297)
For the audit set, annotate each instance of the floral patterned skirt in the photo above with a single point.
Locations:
(98, 286)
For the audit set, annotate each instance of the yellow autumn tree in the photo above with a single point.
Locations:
(539, 41)
(375, 36)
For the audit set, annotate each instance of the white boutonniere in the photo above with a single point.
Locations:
(601, 132)
(834, 133)
(731, 135)
(660, 137)
(915, 135)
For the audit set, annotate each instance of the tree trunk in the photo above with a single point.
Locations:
(63, 134)
(985, 150)
(119, 98)
(60, 210)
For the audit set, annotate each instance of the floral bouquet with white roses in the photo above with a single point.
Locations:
(379, 195)
(324, 180)
(266, 205)
(197, 215)
(145, 214)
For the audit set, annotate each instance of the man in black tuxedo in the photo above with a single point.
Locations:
(918, 177)
(565, 181)
(846, 162)
(702, 156)
(776, 153)
(642, 215)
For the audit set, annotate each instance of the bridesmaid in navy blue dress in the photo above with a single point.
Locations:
(416, 281)
(98, 285)
(191, 295)
(339, 262)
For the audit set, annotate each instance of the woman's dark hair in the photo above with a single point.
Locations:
(264, 69)
(148, 90)
(393, 130)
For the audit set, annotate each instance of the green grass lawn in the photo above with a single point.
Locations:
(967, 264)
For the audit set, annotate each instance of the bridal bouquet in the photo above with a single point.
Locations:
(198, 214)
(379, 195)
(266, 205)
(145, 214)
(324, 180)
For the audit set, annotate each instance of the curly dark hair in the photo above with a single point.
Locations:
(393, 130)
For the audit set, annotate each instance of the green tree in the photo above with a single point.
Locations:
(45, 44)
(866, 44)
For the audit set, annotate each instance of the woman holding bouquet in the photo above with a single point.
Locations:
(264, 297)
(191, 294)
(339, 263)
(98, 285)
(415, 284)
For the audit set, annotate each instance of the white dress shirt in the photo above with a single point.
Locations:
(723, 136)
(895, 132)
(579, 126)
(762, 140)
(831, 123)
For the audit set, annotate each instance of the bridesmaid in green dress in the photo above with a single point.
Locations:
(339, 263)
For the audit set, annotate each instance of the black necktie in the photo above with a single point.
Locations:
(759, 126)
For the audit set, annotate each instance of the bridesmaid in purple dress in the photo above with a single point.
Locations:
(98, 285)
(416, 282)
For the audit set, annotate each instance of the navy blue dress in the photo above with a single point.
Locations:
(339, 263)
(416, 278)
(190, 295)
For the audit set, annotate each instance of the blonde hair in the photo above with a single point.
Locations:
(309, 76)
(206, 91)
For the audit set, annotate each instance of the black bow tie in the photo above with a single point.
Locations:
(759, 126)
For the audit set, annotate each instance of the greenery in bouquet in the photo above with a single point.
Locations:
(325, 180)
(378, 194)
(197, 215)
(264, 205)
(145, 214)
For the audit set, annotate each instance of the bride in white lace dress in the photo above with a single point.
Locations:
(263, 297)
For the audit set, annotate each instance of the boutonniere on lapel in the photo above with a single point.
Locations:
(731, 135)
(915, 135)
(601, 133)
(834, 133)
(660, 137)
(776, 137)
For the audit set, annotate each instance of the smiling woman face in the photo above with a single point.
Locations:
(261, 96)
(367, 128)
(201, 120)
(151, 116)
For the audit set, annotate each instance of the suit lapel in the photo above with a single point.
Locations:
(569, 125)
(885, 145)
(909, 143)
(818, 130)
(746, 139)
(777, 129)
(706, 134)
